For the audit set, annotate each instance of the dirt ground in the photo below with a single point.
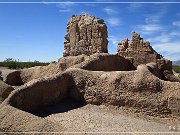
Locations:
(75, 117)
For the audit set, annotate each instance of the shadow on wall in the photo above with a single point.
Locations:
(43, 97)
(106, 62)
(61, 107)
(14, 79)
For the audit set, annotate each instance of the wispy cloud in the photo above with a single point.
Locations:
(167, 44)
(110, 11)
(134, 7)
(114, 21)
(175, 33)
(153, 23)
(163, 38)
(65, 7)
(155, 18)
(169, 48)
(113, 39)
(176, 23)
(149, 28)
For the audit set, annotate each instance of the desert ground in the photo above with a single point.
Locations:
(101, 119)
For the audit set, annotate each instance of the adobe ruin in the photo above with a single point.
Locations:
(139, 51)
(85, 35)
(135, 79)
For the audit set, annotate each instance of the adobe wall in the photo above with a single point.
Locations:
(85, 35)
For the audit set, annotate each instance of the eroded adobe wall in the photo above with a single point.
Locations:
(85, 35)
(139, 49)
(105, 62)
(141, 52)
(139, 89)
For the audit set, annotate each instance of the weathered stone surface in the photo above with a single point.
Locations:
(139, 89)
(14, 120)
(96, 62)
(141, 52)
(13, 78)
(139, 49)
(85, 82)
(5, 90)
(105, 62)
(85, 35)
(1, 78)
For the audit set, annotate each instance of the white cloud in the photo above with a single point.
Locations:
(155, 18)
(167, 45)
(149, 28)
(153, 22)
(175, 33)
(176, 23)
(163, 38)
(134, 6)
(152, 19)
(65, 7)
(113, 39)
(109, 11)
(114, 21)
(170, 47)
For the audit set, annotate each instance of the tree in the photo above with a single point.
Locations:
(9, 60)
(36, 61)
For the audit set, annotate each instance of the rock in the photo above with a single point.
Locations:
(13, 78)
(141, 52)
(139, 49)
(171, 77)
(1, 78)
(105, 62)
(174, 105)
(138, 88)
(5, 90)
(19, 121)
(85, 35)
(52, 69)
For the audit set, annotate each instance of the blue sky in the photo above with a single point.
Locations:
(31, 32)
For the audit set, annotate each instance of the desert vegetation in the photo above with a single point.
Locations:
(176, 68)
(14, 64)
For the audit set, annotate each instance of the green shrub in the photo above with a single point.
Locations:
(176, 68)
(16, 65)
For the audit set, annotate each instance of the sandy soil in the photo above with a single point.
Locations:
(176, 74)
(76, 117)
(6, 71)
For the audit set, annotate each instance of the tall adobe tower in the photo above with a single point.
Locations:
(85, 35)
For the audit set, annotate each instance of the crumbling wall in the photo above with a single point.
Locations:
(139, 49)
(5, 90)
(105, 62)
(139, 89)
(85, 35)
(141, 52)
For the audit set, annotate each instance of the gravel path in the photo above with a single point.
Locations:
(91, 118)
